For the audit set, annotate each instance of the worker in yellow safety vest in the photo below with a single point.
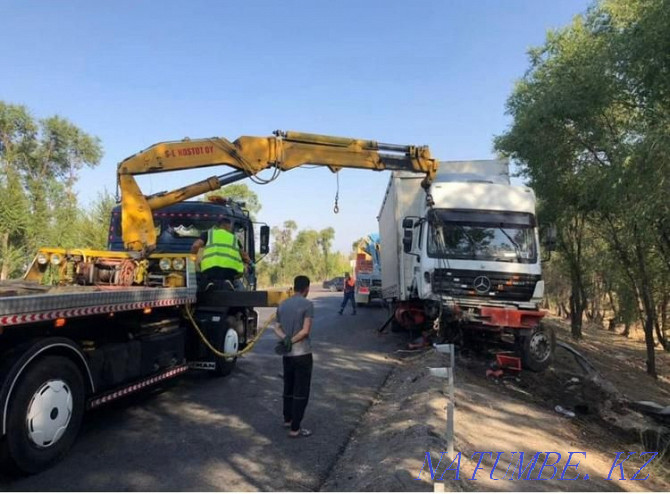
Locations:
(223, 258)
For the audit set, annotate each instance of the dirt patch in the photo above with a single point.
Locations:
(512, 414)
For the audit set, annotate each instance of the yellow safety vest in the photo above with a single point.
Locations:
(222, 251)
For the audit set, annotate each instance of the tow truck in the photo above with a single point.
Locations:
(83, 327)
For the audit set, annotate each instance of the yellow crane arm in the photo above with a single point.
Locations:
(248, 156)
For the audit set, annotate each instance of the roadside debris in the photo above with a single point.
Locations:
(653, 409)
(422, 342)
(494, 373)
(565, 412)
(508, 361)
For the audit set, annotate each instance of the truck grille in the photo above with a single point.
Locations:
(495, 286)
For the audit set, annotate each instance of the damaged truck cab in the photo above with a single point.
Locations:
(463, 257)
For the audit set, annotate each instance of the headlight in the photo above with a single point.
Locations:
(165, 264)
(42, 258)
(178, 263)
(56, 259)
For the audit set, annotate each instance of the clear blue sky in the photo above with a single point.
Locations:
(406, 72)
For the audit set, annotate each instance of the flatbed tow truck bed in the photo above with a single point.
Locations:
(24, 302)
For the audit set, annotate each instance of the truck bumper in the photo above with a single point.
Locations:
(510, 318)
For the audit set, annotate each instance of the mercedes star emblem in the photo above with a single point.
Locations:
(482, 284)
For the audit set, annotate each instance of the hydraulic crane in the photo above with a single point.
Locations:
(248, 156)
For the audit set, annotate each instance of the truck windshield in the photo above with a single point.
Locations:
(193, 228)
(482, 235)
(176, 232)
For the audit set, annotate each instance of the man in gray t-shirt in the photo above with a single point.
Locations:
(294, 323)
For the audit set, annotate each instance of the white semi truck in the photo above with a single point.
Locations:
(462, 257)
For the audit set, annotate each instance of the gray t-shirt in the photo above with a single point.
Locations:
(291, 315)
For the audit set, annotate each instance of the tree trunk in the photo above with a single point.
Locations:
(577, 302)
(564, 311)
(648, 305)
(661, 335)
(576, 312)
(615, 311)
(663, 310)
(649, 340)
(4, 248)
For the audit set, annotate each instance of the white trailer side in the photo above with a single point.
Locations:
(496, 171)
(404, 197)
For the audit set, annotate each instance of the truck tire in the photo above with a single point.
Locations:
(396, 327)
(228, 342)
(44, 415)
(537, 349)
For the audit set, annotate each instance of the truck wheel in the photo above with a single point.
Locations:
(229, 342)
(44, 415)
(537, 349)
(396, 327)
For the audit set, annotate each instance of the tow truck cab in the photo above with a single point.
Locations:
(179, 225)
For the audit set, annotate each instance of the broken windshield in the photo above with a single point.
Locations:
(482, 235)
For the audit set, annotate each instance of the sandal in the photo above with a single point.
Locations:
(301, 433)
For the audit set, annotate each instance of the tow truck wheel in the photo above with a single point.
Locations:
(537, 349)
(44, 416)
(229, 342)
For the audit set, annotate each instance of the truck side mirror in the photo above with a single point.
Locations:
(265, 239)
(407, 239)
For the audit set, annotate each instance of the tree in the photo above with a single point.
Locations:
(17, 133)
(590, 132)
(325, 242)
(94, 226)
(14, 221)
(306, 252)
(240, 193)
(40, 161)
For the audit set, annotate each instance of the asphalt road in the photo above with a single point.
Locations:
(202, 433)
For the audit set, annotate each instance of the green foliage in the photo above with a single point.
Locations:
(294, 252)
(39, 165)
(591, 134)
(94, 223)
(240, 193)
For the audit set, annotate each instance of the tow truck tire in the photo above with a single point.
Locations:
(537, 349)
(44, 416)
(229, 342)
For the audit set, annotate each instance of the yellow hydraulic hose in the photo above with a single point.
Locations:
(216, 352)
